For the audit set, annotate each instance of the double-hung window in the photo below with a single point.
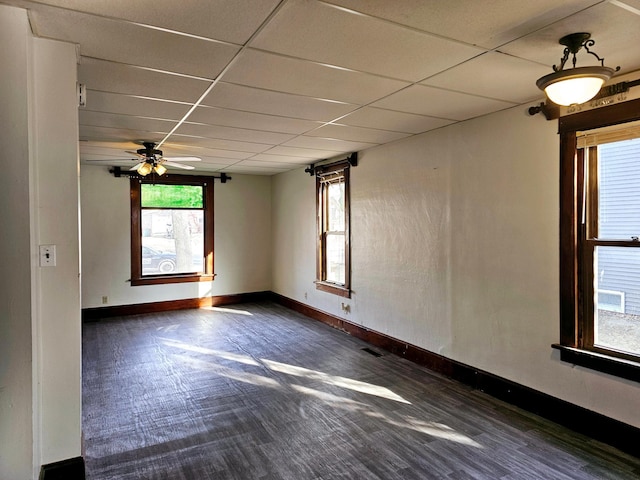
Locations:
(333, 255)
(600, 239)
(171, 229)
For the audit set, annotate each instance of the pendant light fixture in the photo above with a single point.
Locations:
(577, 84)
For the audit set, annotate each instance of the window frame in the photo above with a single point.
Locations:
(136, 230)
(343, 290)
(576, 249)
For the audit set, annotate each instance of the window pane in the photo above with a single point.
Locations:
(335, 258)
(172, 241)
(171, 196)
(619, 190)
(617, 298)
(336, 207)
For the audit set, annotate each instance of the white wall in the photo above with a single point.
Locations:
(454, 249)
(55, 197)
(242, 241)
(15, 282)
(40, 401)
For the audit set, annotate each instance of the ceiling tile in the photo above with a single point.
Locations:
(320, 32)
(280, 159)
(613, 28)
(440, 103)
(116, 150)
(254, 121)
(117, 78)
(232, 133)
(302, 152)
(123, 159)
(220, 144)
(228, 20)
(487, 24)
(131, 105)
(213, 163)
(125, 42)
(187, 149)
(494, 75)
(98, 119)
(253, 170)
(122, 135)
(257, 163)
(356, 134)
(301, 77)
(249, 99)
(372, 117)
(329, 144)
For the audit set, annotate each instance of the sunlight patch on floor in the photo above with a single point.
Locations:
(338, 381)
(432, 429)
(343, 382)
(227, 310)
(235, 357)
(231, 373)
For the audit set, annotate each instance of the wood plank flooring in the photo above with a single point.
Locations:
(256, 391)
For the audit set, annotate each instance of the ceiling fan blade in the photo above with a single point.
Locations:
(135, 167)
(178, 165)
(183, 159)
(134, 153)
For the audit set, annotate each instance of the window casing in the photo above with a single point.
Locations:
(333, 250)
(587, 244)
(171, 229)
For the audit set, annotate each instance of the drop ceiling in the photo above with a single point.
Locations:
(265, 86)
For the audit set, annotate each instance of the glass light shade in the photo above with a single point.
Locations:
(574, 90)
(160, 169)
(574, 86)
(145, 169)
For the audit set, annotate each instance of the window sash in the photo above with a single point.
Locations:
(577, 248)
(333, 268)
(137, 277)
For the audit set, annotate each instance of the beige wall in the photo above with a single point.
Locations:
(55, 197)
(242, 241)
(16, 434)
(40, 392)
(455, 249)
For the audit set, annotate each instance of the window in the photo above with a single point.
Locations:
(600, 239)
(333, 265)
(171, 230)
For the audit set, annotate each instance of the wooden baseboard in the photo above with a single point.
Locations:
(93, 314)
(613, 432)
(71, 469)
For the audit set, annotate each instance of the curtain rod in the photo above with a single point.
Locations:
(314, 168)
(119, 173)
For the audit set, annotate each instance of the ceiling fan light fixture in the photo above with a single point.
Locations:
(160, 169)
(578, 84)
(145, 169)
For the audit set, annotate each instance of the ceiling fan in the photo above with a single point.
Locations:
(152, 160)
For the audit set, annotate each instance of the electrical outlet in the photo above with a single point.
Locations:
(105, 300)
(47, 255)
(305, 295)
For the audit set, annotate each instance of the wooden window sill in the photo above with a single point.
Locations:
(333, 288)
(601, 362)
(161, 279)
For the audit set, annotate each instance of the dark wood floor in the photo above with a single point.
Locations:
(256, 391)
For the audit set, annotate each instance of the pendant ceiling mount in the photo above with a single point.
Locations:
(575, 85)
